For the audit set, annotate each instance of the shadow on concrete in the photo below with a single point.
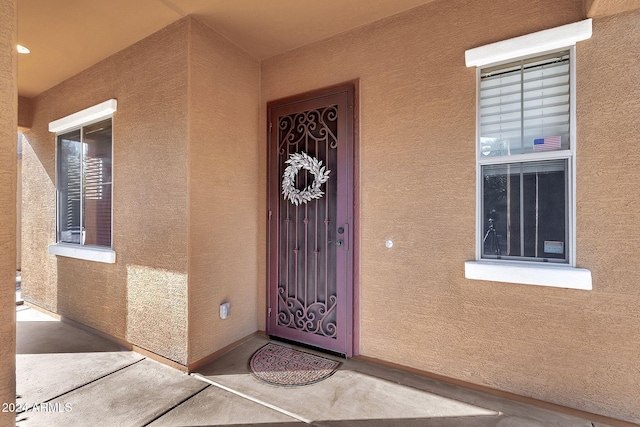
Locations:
(361, 393)
(59, 364)
(40, 337)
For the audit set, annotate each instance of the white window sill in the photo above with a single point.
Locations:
(87, 253)
(559, 276)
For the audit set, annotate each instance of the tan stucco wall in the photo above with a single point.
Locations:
(25, 112)
(225, 192)
(602, 8)
(142, 298)
(608, 165)
(187, 196)
(8, 128)
(19, 209)
(417, 117)
(39, 275)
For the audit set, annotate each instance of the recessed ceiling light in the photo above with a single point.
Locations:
(22, 49)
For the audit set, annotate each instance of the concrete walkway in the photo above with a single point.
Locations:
(68, 377)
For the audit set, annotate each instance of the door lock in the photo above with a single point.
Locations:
(343, 231)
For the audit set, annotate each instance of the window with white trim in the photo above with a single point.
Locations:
(84, 164)
(84, 159)
(526, 216)
(525, 159)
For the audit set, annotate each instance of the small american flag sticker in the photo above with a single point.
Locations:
(548, 143)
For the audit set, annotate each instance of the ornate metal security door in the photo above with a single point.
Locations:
(310, 219)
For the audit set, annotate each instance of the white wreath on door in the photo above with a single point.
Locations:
(299, 161)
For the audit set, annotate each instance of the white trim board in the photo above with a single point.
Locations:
(557, 276)
(88, 253)
(530, 44)
(97, 112)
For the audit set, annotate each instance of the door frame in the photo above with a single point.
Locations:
(351, 88)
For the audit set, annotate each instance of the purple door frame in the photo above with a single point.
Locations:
(346, 226)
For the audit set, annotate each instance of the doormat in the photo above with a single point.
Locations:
(286, 367)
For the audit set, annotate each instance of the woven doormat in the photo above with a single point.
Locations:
(286, 367)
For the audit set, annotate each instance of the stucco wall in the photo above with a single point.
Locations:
(143, 296)
(39, 275)
(417, 142)
(19, 208)
(608, 164)
(186, 196)
(8, 128)
(225, 191)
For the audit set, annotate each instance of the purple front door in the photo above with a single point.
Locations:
(310, 256)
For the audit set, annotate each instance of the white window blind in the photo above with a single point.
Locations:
(524, 102)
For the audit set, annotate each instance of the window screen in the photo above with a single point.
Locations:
(525, 210)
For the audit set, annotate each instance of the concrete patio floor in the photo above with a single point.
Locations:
(69, 377)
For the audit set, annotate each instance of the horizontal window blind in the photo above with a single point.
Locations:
(69, 187)
(84, 185)
(523, 102)
(97, 183)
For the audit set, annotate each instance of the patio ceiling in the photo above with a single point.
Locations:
(66, 37)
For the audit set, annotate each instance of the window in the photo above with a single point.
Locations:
(84, 185)
(526, 127)
(84, 153)
(525, 114)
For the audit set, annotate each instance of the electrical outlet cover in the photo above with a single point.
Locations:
(224, 310)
